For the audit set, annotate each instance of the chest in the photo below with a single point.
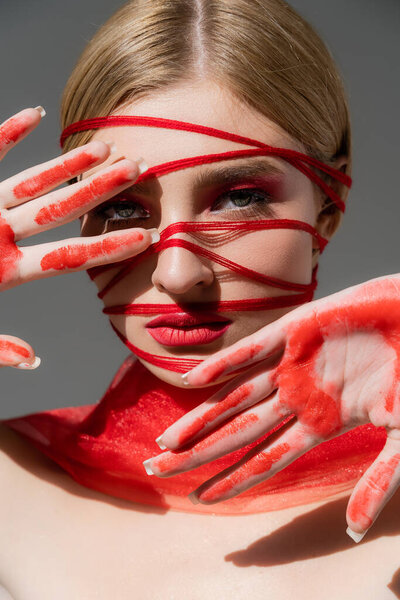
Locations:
(61, 540)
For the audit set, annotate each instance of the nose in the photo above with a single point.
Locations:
(179, 270)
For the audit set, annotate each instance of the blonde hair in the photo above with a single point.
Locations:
(261, 50)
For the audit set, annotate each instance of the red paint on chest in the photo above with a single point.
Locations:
(97, 188)
(72, 257)
(70, 167)
(10, 254)
(232, 400)
(103, 446)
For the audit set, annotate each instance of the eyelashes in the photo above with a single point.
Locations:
(252, 202)
(243, 203)
(127, 210)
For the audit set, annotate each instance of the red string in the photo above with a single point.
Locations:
(291, 156)
(305, 291)
(179, 227)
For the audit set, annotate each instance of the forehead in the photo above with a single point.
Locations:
(204, 103)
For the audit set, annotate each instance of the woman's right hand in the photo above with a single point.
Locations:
(28, 206)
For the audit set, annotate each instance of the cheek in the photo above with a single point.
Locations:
(291, 257)
(101, 280)
(282, 253)
(113, 296)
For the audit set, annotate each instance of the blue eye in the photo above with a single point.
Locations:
(245, 198)
(249, 201)
(119, 211)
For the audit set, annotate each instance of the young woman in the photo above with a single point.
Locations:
(203, 251)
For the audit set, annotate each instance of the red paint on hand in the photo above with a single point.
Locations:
(8, 350)
(238, 357)
(73, 257)
(318, 403)
(173, 462)
(98, 187)
(36, 185)
(329, 401)
(299, 389)
(10, 254)
(13, 129)
(232, 400)
(370, 497)
(257, 465)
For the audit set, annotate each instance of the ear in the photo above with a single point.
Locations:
(329, 216)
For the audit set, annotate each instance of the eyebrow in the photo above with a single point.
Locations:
(223, 174)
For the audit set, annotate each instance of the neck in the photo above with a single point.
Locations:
(103, 447)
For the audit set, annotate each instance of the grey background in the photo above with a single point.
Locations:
(40, 41)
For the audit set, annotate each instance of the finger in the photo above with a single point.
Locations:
(255, 347)
(38, 180)
(257, 466)
(374, 489)
(77, 254)
(14, 351)
(243, 391)
(17, 127)
(65, 205)
(240, 431)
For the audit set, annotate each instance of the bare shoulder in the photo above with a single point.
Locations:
(12, 451)
(19, 458)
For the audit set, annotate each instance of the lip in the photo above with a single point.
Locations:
(183, 329)
(183, 319)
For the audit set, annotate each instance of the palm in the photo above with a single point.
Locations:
(339, 366)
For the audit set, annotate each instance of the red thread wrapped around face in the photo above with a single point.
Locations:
(305, 292)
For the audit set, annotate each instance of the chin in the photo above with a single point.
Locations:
(174, 378)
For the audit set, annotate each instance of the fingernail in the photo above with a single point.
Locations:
(357, 537)
(112, 146)
(146, 466)
(143, 166)
(158, 441)
(184, 377)
(155, 236)
(25, 365)
(41, 110)
(192, 497)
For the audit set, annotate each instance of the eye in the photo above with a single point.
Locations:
(122, 211)
(254, 200)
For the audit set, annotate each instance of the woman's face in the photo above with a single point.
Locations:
(205, 193)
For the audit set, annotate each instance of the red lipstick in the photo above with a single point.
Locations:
(184, 329)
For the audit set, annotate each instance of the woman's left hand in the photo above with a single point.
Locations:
(333, 363)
